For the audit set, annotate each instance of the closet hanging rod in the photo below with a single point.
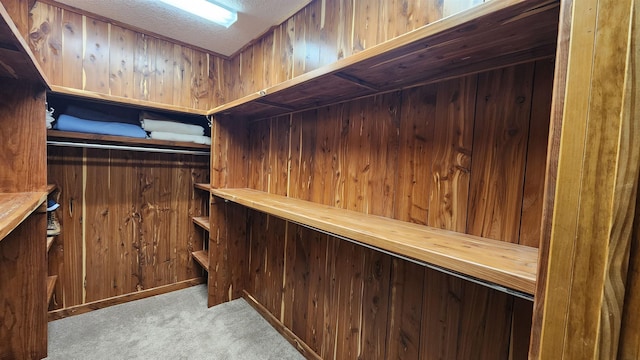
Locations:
(126, 148)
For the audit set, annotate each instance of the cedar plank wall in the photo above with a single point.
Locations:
(325, 31)
(80, 52)
(126, 221)
(421, 155)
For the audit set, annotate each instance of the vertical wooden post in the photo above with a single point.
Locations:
(597, 180)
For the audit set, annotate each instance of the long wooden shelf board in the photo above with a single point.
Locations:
(202, 221)
(121, 140)
(51, 285)
(51, 188)
(16, 207)
(18, 61)
(494, 34)
(119, 100)
(490, 261)
(202, 186)
(202, 257)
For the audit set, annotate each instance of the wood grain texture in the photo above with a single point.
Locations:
(596, 187)
(23, 324)
(136, 231)
(23, 137)
(84, 52)
(16, 207)
(474, 256)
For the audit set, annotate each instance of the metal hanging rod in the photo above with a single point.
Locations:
(127, 148)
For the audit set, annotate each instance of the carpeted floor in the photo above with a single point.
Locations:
(176, 325)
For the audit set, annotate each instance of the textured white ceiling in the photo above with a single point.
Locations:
(254, 18)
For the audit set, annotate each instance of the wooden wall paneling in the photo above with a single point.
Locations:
(312, 35)
(260, 136)
(258, 64)
(23, 323)
(629, 347)
(201, 82)
(121, 61)
(399, 17)
(182, 75)
(598, 164)
(144, 66)
(279, 155)
(23, 137)
(245, 74)
(299, 38)
(162, 91)
(327, 37)
(304, 156)
(452, 153)
(266, 260)
(415, 153)
(95, 63)
(99, 245)
(72, 50)
(500, 143)
(376, 276)
(533, 193)
(268, 58)
(305, 282)
(405, 310)
(327, 177)
(354, 154)
(55, 266)
(45, 39)
(124, 224)
(365, 23)
(65, 169)
(344, 8)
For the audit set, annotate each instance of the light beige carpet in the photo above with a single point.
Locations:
(176, 325)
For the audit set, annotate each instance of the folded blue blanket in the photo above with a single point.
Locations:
(71, 123)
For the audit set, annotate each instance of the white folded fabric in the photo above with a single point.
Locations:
(198, 139)
(171, 127)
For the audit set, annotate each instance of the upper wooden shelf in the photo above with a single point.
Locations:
(488, 261)
(16, 58)
(120, 100)
(122, 140)
(16, 207)
(491, 35)
(201, 186)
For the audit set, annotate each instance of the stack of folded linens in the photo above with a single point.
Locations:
(165, 129)
(93, 122)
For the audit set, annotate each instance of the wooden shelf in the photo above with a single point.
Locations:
(202, 221)
(489, 261)
(121, 140)
(201, 186)
(119, 100)
(488, 36)
(18, 61)
(202, 257)
(50, 240)
(15, 207)
(51, 285)
(51, 188)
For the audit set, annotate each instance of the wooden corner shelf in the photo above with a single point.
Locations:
(486, 261)
(202, 186)
(51, 285)
(15, 207)
(202, 221)
(121, 140)
(202, 258)
(488, 36)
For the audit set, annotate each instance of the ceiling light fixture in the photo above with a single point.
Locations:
(207, 10)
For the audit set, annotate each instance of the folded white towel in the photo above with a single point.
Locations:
(198, 139)
(171, 127)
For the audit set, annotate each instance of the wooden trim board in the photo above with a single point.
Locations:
(100, 304)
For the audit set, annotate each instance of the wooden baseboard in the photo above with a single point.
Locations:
(100, 304)
(300, 345)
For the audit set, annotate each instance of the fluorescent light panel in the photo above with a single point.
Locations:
(207, 10)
